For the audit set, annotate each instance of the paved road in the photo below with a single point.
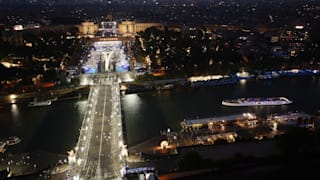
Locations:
(100, 153)
(99, 161)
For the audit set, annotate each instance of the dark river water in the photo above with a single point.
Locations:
(146, 114)
(56, 128)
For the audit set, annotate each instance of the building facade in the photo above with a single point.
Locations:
(88, 29)
(130, 28)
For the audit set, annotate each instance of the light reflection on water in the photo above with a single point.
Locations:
(243, 82)
(15, 115)
(81, 105)
(132, 101)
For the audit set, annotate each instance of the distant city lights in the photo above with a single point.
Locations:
(18, 27)
(299, 27)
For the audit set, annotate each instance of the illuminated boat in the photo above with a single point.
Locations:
(211, 80)
(13, 140)
(272, 101)
(40, 103)
(268, 75)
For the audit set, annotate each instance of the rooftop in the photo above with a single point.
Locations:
(243, 116)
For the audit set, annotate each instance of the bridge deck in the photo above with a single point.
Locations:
(100, 153)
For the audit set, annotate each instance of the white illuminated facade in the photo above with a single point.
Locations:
(130, 28)
(88, 29)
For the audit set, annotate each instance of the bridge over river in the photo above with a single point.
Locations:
(100, 152)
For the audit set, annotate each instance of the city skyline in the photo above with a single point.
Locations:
(128, 89)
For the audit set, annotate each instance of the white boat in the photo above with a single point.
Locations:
(268, 75)
(244, 75)
(167, 86)
(257, 101)
(54, 99)
(13, 140)
(264, 76)
(211, 80)
(40, 103)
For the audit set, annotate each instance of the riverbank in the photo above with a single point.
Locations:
(30, 164)
(166, 83)
(151, 148)
(254, 141)
(214, 131)
(220, 152)
(60, 94)
(249, 160)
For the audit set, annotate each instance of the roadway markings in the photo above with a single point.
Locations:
(103, 162)
(99, 173)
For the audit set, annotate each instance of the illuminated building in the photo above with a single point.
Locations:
(130, 28)
(88, 29)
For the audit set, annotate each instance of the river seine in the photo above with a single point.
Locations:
(56, 128)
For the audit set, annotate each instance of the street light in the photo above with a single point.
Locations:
(13, 96)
